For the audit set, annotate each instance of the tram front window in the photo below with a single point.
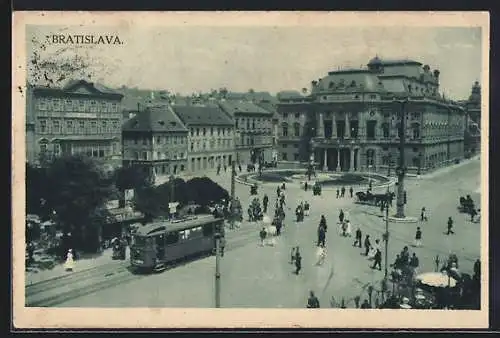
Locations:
(139, 241)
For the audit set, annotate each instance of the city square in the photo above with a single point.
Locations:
(360, 187)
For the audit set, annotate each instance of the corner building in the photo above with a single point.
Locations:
(79, 118)
(351, 120)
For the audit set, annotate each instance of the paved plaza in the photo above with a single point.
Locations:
(256, 276)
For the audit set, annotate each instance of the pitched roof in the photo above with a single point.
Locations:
(100, 87)
(155, 119)
(234, 107)
(202, 115)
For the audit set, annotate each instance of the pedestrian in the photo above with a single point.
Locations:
(341, 216)
(69, 265)
(225, 167)
(305, 186)
(320, 255)
(218, 169)
(367, 245)
(278, 227)
(414, 263)
(263, 234)
(450, 226)
(477, 270)
(298, 261)
(342, 192)
(378, 260)
(423, 215)
(418, 237)
(348, 230)
(278, 191)
(321, 236)
(359, 237)
(338, 192)
(265, 201)
(322, 222)
(312, 302)
(473, 213)
(239, 167)
(307, 208)
(292, 255)
(351, 190)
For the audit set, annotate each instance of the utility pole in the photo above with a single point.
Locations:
(233, 197)
(386, 233)
(217, 267)
(400, 171)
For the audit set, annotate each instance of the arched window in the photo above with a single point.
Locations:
(296, 129)
(331, 84)
(370, 157)
(284, 127)
(43, 145)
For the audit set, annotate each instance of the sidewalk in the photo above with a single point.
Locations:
(81, 264)
(447, 169)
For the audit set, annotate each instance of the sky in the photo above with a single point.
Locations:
(194, 58)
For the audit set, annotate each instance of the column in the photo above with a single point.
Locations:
(338, 160)
(325, 161)
(321, 126)
(358, 159)
(347, 126)
(351, 151)
(334, 126)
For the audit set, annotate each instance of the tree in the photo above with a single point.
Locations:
(51, 65)
(304, 91)
(36, 190)
(223, 92)
(78, 192)
(203, 191)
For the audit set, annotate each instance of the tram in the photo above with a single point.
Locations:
(156, 244)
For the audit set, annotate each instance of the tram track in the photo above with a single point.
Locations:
(61, 289)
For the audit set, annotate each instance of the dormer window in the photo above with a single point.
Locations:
(331, 84)
(353, 83)
(161, 123)
(173, 123)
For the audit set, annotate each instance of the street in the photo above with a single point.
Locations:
(255, 276)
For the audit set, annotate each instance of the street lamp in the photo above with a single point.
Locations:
(389, 162)
(420, 155)
(217, 237)
(386, 238)
(401, 169)
(233, 197)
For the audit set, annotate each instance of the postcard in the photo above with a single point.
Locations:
(250, 169)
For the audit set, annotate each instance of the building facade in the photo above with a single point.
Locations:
(79, 118)
(351, 120)
(253, 128)
(472, 137)
(156, 140)
(210, 137)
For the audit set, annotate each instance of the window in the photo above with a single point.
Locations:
(136, 155)
(295, 145)
(297, 115)
(172, 238)
(42, 104)
(212, 131)
(192, 146)
(101, 152)
(145, 141)
(43, 126)
(56, 104)
(104, 127)
(116, 127)
(415, 150)
(373, 96)
(385, 129)
(57, 149)
(340, 129)
(296, 129)
(285, 115)
(158, 140)
(204, 131)
(93, 127)
(197, 131)
(56, 127)
(93, 106)
(43, 148)
(284, 127)
(81, 127)
(81, 105)
(284, 156)
(104, 107)
(175, 139)
(69, 127)
(253, 124)
(144, 155)
(354, 128)
(114, 107)
(370, 157)
(370, 129)
(296, 156)
(415, 128)
(158, 155)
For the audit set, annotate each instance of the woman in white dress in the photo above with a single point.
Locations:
(320, 255)
(70, 263)
(348, 231)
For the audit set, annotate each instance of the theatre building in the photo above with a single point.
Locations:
(79, 118)
(351, 120)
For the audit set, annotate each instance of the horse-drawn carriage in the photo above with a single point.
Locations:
(316, 189)
(374, 199)
(466, 204)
